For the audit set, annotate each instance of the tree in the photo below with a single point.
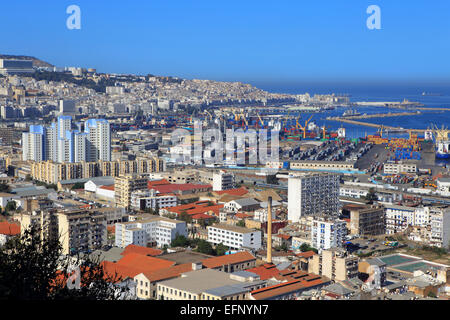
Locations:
(204, 247)
(32, 268)
(184, 216)
(241, 223)
(221, 249)
(4, 188)
(371, 196)
(78, 185)
(306, 247)
(11, 206)
(180, 241)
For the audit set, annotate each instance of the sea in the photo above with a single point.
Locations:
(440, 97)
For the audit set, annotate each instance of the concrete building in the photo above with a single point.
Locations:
(145, 199)
(367, 221)
(124, 186)
(246, 204)
(399, 167)
(81, 230)
(327, 232)
(234, 237)
(209, 284)
(99, 140)
(334, 264)
(312, 193)
(67, 107)
(152, 229)
(223, 181)
(16, 67)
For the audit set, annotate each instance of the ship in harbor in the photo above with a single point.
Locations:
(351, 112)
(442, 149)
(442, 143)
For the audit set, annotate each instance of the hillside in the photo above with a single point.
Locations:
(36, 62)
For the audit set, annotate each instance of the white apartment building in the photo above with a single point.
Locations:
(154, 229)
(33, 144)
(398, 218)
(99, 140)
(60, 143)
(443, 187)
(440, 226)
(261, 215)
(312, 193)
(399, 167)
(327, 233)
(223, 181)
(234, 237)
(143, 199)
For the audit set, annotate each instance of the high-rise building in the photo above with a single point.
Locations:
(124, 186)
(13, 66)
(99, 140)
(312, 193)
(335, 264)
(327, 232)
(67, 107)
(33, 144)
(223, 181)
(59, 143)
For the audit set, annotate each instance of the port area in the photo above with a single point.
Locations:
(379, 154)
(376, 115)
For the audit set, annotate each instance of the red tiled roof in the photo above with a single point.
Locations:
(168, 273)
(153, 183)
(265, 271)
(110, 187)
(9, 229)
(241, 215)
(306, 254)
(132, 248)
(133, 263)
(234, 258)
(235, 192)
(283, 236)
(284, 288)
(196, 208)
(200, 216)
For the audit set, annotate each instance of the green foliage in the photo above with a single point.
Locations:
(180, 241)
(183, 216)
(190, 200)
(78, 185)
(34, 269)
(371, 196)
(4, 188)
(221, 249)
(11, 206)
(205, 247)
(241, 223)
(306, 247)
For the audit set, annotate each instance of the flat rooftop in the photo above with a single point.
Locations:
(185, 257)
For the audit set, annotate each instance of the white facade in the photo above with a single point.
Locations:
(400, 167)
(66, 106)
(158, 229)
(443, 187)
(151, 199)
(99, 140)
(261, 215)
(234, 237)
(315, 193)
(223, 181)
(398, 218)
(326, 234)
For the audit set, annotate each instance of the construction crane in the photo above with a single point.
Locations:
(209, 114)
(262, 122)
(305, 127)
(245, 120)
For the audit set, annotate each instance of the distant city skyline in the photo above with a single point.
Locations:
(263, 43)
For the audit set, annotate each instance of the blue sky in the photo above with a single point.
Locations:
(252, 41)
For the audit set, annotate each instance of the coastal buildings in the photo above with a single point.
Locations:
(312, 193)
(223, 181)
(59, 143)
(52, 172)
(335, 264)
(327, 232)
(125, 185)
(155, 229)
(367, 221)
(234, 237)
(16, 67)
